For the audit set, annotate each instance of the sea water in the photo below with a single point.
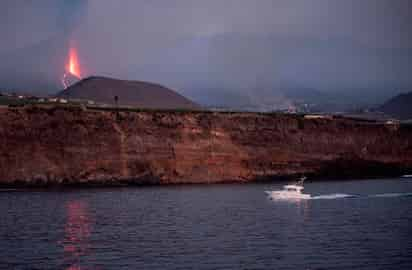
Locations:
(364, 224)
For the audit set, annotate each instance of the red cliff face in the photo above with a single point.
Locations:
(69, 145)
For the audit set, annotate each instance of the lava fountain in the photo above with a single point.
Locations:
(72, 69)
(73, 66)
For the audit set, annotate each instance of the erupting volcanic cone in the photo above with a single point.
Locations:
(72, 74)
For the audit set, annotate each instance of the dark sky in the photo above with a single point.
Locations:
(195, 44)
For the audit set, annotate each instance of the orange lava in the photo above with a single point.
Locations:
(73, 66)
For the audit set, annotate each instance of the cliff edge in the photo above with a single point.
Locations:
(68, 145)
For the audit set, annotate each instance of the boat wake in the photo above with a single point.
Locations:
(336, 196)
(333, 196)
(390, 195)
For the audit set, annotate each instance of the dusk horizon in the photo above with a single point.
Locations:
(218, 134)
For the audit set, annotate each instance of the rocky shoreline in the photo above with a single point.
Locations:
(63, 145)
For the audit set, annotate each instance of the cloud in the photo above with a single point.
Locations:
(223, 43)
(35, 38)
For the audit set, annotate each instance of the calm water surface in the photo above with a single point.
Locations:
(209, 227)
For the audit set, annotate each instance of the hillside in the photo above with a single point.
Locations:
(399, 106)
(129, 93)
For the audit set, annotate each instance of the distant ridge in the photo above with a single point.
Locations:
(130, 93)
(399, 106)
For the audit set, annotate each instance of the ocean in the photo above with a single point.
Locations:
(357, 224)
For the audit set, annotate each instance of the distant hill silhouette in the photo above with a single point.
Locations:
(399, 106)
(273, 98)
(129, 93)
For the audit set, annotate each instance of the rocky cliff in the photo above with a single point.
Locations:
(64, 145)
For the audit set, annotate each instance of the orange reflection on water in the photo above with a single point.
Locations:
(74, 267)
(76, 233)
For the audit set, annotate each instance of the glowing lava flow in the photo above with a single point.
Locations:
(72, 68)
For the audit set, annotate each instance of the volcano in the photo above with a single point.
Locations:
(129, 93)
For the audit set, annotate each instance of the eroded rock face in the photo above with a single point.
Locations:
(72, 146)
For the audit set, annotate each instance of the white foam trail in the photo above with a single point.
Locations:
(390, 195)
(335, 196)
(332, 196)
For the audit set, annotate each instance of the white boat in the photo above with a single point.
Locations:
(290, 192)
(407, 176)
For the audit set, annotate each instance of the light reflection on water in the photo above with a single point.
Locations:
(77, 233)
(209, 227)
